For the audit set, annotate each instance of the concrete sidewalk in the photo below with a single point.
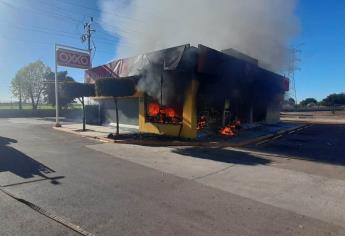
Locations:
(95, 131)
(264, 177)
(246, 137)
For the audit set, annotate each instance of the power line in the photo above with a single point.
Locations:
(50, 31)
(25, 41)
(122, 17)
(59, 33)
(45, 12)
(97, 10)
(64, 17)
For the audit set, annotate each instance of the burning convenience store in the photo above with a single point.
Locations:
(187, 91)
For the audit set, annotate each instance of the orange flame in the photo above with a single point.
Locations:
(231, 129)
(154, 109)
(228, 131)
(170, 112)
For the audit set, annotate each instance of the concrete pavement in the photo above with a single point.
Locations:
(245, 173)
(96, 131)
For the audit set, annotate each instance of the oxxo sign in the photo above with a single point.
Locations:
(69, 58)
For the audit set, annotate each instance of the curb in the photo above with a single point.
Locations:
(276, 134)
(316, 122)
(182, 143)
(79, 134)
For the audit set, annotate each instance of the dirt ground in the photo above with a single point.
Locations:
(322, 117)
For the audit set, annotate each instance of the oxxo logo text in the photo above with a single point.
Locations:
(73, 58)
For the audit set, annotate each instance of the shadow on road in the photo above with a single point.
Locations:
(318, 143)
(222, 155)
(18, 163)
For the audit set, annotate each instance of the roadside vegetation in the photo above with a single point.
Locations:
(332, 102)
(34, 88)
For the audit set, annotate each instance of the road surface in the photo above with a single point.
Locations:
(108, 189)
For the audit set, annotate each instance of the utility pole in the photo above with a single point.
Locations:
(86, 37)
(57, 123)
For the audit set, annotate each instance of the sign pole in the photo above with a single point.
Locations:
(57, 124)
(68, 57)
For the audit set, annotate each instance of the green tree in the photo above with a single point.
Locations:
(308, 101)
(115, 88)
(334, 99)
(17, 85)
(80, 91)
(49, 91)
(31, 82)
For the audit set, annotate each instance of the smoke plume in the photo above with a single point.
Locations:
(259, 28)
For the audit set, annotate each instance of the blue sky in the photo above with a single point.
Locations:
(323, 50)
(31, 28)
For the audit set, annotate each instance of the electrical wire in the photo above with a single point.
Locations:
(97, 10)
(102, 38)
(44, 12)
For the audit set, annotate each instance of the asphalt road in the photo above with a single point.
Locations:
(318, 143)
(106, 194)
